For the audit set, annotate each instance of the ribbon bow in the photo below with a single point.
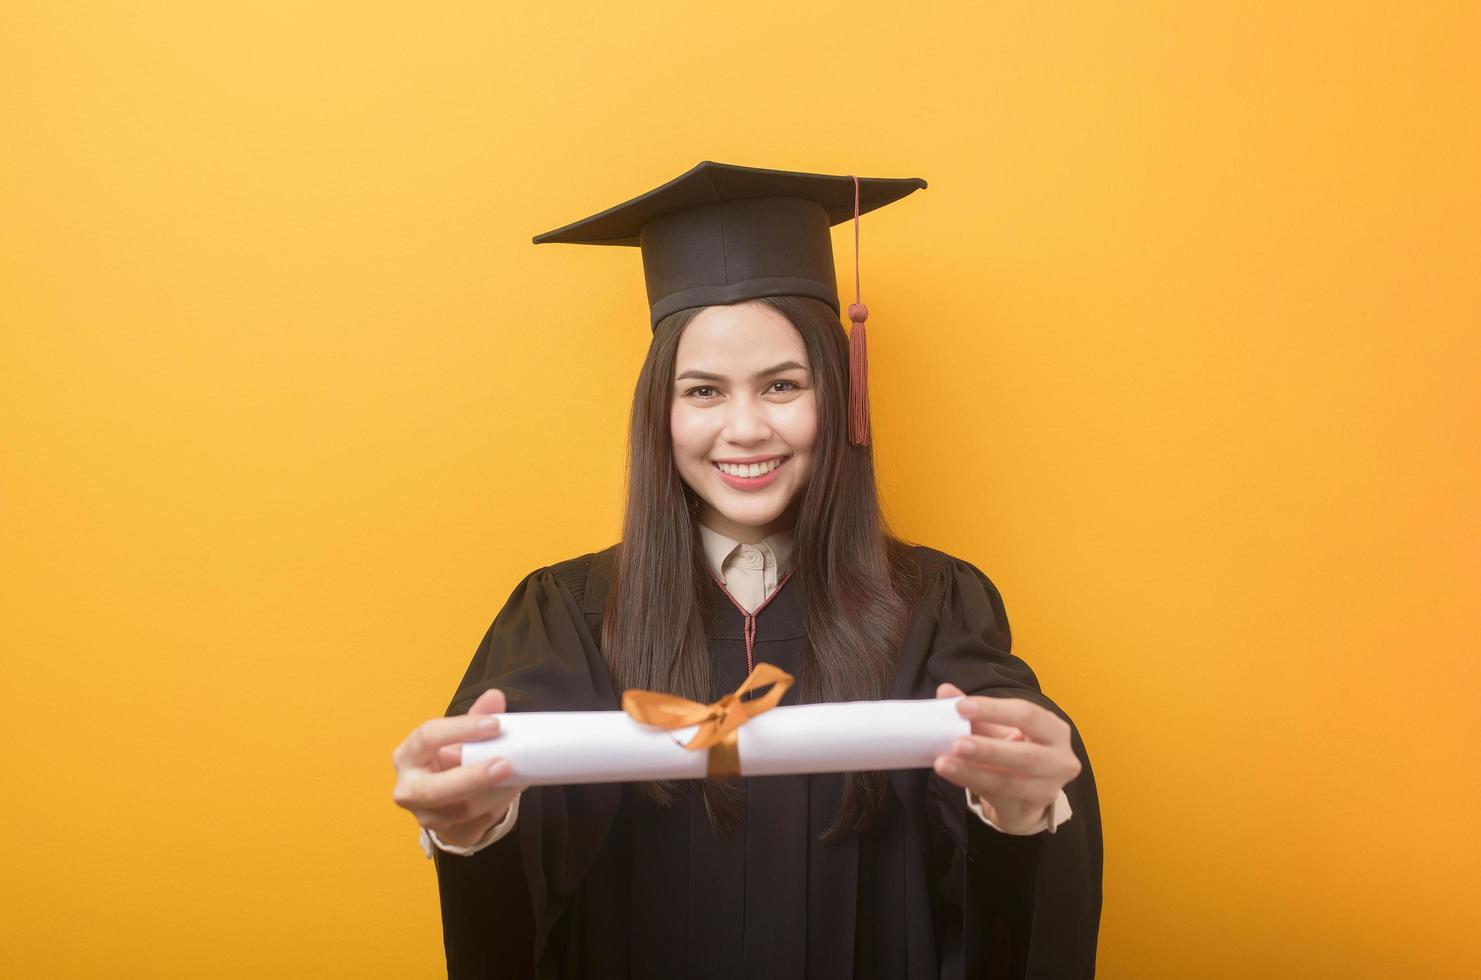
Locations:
(717, 722)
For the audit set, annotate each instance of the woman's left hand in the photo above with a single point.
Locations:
(1016, 760)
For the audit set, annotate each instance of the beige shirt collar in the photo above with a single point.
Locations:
(751, 572)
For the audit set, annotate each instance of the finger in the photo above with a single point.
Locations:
(421, 746)
(425, 790)
(992, 785)
(994, 730)
(978, 779)
(490, 702)
(451, 756)
(1024, 758)
(949, 690)
(1039, 724)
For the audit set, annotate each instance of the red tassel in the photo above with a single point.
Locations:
(858, 351)
(858, 376)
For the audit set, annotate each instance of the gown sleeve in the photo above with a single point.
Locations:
(499, 905)
(1031, 904)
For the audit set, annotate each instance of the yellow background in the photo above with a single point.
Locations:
(1180, 347)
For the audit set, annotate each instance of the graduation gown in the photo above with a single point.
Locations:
(598, 881)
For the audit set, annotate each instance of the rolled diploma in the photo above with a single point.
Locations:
(561, 747)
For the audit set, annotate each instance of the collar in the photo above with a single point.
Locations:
(719, 549)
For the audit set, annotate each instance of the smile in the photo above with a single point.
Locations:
(751, 469)
(751, 476)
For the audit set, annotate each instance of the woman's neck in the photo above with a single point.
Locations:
(746, 533)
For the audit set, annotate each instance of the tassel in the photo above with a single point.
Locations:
(858, 351)
(858, 376)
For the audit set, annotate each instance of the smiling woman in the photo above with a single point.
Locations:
(753, 525)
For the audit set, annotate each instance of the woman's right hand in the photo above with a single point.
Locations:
(460, 803)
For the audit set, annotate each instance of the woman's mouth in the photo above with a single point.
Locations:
(751, 476)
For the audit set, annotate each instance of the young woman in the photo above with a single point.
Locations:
(753, 533)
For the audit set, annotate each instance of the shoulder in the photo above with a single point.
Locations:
(584, 577)
(952, 587)
(938, 566)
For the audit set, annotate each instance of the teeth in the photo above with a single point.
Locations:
(749, 469)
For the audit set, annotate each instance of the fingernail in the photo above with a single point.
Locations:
(489, 724)
(499, 768)
(945, 765)
(964, 746)
(966, 707)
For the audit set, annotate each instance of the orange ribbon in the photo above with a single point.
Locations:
(717, 722)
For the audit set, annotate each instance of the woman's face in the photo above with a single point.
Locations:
(744, 418)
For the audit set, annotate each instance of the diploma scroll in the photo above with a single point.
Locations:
(562, 747)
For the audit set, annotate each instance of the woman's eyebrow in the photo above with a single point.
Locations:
(774, 369)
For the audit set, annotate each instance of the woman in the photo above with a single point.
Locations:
(753, 533)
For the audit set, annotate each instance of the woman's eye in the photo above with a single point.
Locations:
(791, 385)
(703, 391)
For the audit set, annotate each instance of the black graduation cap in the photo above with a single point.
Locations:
(722, 233)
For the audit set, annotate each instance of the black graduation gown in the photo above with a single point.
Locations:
(597, 881)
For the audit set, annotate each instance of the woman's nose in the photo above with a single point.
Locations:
(746, 422)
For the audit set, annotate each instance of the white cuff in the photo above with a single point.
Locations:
(429, 838)
(1055, 814)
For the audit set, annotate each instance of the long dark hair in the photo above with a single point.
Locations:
(857, 580)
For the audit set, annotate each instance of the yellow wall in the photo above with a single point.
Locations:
(1180, 346)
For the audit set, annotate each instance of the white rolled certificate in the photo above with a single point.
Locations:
(560, 747)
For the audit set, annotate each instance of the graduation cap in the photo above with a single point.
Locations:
(721, 233)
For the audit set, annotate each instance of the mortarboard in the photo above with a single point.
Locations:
(721, 233)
